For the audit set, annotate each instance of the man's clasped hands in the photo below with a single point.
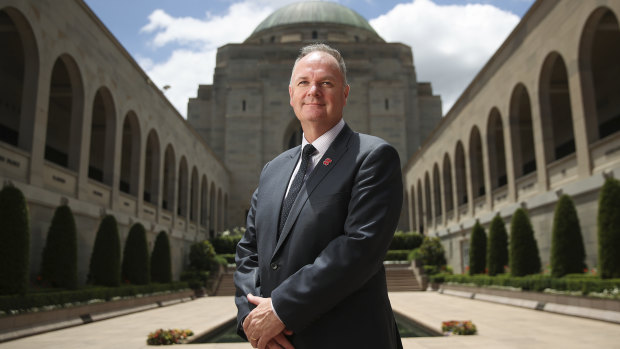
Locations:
(263, 327)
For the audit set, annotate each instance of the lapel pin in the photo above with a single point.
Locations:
(327, 161)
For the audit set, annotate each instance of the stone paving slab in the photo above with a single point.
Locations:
(499, 326)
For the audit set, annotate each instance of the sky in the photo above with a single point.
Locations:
(175, 41)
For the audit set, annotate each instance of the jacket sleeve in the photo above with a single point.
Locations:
(247, 277)
(352, 258)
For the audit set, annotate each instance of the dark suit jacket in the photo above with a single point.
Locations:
(325, 274)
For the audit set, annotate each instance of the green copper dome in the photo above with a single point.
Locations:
(314, 12)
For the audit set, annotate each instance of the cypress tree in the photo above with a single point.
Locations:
(105, 261)
(136, 257)
(161, 264)
(609, 229)
(497, 246)
(477, 250)
(15, 237)
(59, 261)
(524, 257)
(567, 251)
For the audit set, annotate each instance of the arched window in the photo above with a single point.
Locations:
(447, 183)
(169, 179)
(427, 199)
(421, 221)
(522, 132)
(203, 201)
(64, 119)
(412, 207)
(212, 210)
(130, 155)
(599, 54)
(556, 113)
(497, 150)
(151, 168)
(437, 191)
(182, 188)
(19, 70)
(193, 196)
(102, 133)
(461, 174)
(475, 161)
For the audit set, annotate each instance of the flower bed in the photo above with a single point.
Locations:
(453, 327)
(168, 337)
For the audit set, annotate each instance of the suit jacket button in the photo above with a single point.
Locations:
(274, 266)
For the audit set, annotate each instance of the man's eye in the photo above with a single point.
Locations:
(302, 83)
(326, 83)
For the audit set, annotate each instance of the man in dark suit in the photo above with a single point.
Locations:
(310, 266)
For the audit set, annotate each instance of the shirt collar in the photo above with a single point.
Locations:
(322, 143)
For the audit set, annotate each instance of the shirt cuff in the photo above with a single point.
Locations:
(275, 312)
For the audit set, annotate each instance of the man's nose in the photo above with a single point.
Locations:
(314, 90)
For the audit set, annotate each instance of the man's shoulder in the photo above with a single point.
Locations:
(370, 141)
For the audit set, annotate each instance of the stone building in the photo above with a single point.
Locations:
(82, 124)
(541, 119)
(245, 114)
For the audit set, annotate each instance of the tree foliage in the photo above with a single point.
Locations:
(609, 229)
(161, 263)
(136, 265)
(567, 251)
(105, 261)
(497, 246)
(524, 257)
(59, 261)
(477, 250)
(15, 237)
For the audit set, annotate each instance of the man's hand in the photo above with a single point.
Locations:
(262, 326)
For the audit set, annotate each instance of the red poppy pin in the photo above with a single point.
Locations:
(327, 161)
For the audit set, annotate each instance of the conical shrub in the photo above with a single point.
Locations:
(105, 261)
(15, 237)
(567, 251)
(609, 229)
(524, 257)
(59, 261)
(497, 246)
(136, 265)
(161, 264)
(477, 250)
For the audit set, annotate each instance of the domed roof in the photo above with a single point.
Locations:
(313, 12)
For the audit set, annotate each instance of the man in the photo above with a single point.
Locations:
(310, 265)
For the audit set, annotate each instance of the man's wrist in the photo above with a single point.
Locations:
(274, 310)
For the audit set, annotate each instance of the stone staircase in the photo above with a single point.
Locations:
(226, 286)
(400, 278)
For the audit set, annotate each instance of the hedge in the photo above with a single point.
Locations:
(136, 265)
(477, 250)
(608, 222)
(225, 244)
(497, 246)
(567, 251)
(63, 298)
(202, 256)
(15, 237)
(524, 257)
(230, 257)
(406, 241)
(161, 263)
(397, 255)
(105, 261)
(59, 261)
(538, 283)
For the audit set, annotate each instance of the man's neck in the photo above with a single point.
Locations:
(313, 131)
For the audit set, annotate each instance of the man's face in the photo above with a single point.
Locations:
(317, 90)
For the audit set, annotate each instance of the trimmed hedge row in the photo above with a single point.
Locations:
(397, 255)
(406, 241)
(536, 283)
(59, 298)
(225, 244)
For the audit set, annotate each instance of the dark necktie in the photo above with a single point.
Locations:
(295, 186)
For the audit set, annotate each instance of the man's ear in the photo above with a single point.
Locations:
(290, 94)
(346, 93)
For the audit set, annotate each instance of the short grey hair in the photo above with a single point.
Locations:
(306, 50)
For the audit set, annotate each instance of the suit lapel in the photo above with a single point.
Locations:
(334, 152)
(279, 189)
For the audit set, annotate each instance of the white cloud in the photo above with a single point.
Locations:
(196, 41)
(450, 43)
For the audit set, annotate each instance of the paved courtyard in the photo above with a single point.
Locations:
(499, 326)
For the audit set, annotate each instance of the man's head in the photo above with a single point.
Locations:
(318, 88)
